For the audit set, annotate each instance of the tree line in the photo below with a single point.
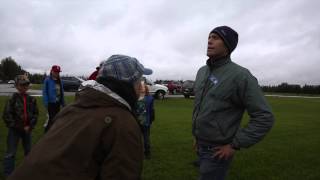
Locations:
(9, 69)
(292, 88)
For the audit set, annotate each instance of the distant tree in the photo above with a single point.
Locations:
(36, 78)
(293, 88)
(9, 69)
(83, 77)
(1, 73)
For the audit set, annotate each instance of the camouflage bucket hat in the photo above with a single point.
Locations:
(124, 68)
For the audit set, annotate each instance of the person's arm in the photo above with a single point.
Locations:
(62, 94)
(45, 95)
(152, 111)
(7, 115)
(261, 117)
(35, 113)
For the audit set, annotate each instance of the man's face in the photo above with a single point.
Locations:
(216, 46)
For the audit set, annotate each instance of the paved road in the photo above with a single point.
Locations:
(8, 89)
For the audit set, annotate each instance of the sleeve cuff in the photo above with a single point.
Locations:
(235, 144)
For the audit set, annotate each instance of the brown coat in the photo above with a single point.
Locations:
(94, 138)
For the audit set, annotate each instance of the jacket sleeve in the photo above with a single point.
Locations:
(123, 145)
(45, 95)
(35, 113)
(152, 111)
(62, 94)
(260, 114)
(7, 115)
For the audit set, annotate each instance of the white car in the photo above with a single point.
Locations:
(11, 82)
(157, 90)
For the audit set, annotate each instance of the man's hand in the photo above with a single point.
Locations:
(195, 145)
(224, 152)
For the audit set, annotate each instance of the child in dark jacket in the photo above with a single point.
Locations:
(20, 116)
(145, 113)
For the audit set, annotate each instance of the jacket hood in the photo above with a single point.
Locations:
(92, 89)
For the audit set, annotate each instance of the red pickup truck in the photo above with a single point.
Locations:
(174, 87)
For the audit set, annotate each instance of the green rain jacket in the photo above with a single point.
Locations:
(223, 91)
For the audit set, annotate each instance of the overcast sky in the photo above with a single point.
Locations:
(279, 40)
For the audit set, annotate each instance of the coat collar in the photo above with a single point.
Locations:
(101, 88)
(215, 63)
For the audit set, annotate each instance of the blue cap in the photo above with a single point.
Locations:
(124, 68)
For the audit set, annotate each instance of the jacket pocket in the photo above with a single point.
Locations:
(219, 108)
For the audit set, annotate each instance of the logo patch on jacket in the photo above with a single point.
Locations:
(213, 79)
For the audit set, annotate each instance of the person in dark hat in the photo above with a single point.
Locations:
(98, 136)
(223, 92)
(53, 95)
(20, 115)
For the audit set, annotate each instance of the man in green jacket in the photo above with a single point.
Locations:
(223, 91)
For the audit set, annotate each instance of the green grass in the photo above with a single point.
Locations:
(36, 86)
(290, 151)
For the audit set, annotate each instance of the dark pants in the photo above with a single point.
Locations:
(146, 139)
(212, 168)
(12, 144)
(53, 109)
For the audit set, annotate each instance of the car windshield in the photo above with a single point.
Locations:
(188, 84)
(72, 78)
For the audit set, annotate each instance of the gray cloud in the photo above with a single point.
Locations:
(279, 40)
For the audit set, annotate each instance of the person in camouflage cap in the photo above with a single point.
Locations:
(97, 136)
(20, 116)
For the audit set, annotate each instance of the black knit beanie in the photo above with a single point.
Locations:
(228, 35)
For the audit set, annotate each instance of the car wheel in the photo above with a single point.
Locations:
(160, 95)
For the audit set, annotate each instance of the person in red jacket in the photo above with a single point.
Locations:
(93, 76)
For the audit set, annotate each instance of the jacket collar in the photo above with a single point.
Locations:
(215, 63)
(101, 88)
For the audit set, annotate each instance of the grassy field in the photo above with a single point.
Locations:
(36, 86)
(290, 151)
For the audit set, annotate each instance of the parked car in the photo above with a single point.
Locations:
(71, 83)
(188, 88)
(157, 90)
(11, 82)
